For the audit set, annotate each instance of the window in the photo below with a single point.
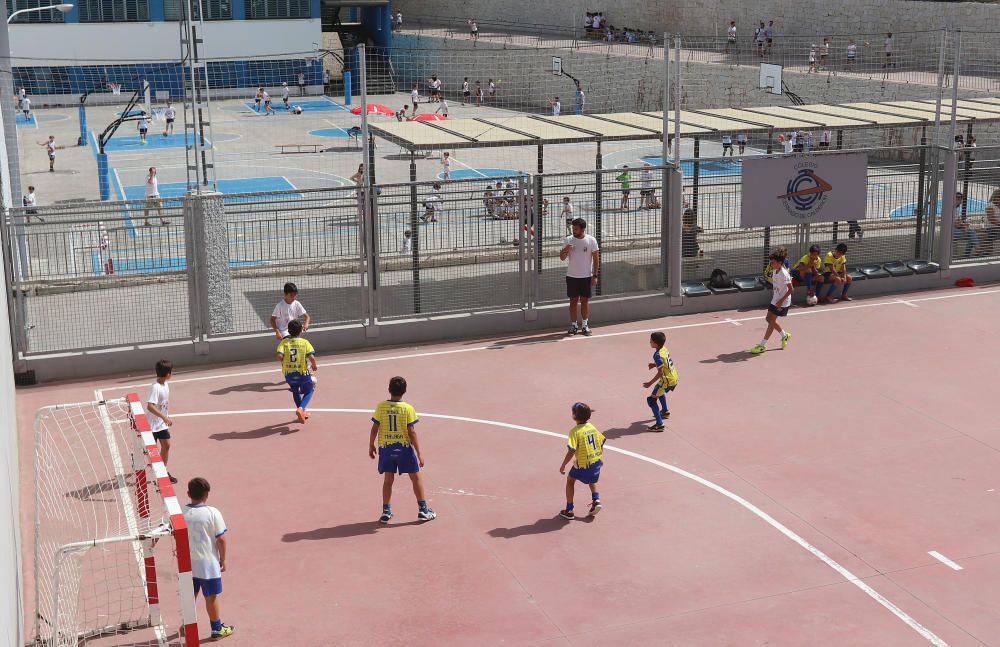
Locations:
(52, 15)
(214, 9)
(272, 9)
(114, 10)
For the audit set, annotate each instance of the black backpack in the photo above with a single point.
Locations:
(720, 279)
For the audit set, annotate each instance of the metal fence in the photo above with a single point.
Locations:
(96, 276)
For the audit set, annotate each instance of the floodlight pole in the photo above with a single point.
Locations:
(11, 187)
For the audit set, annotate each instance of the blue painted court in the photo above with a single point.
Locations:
(708, 168)
(131, 143)
(329, 132)
(153, 265)
(972, 206)
(309, 105)
(21, 121)
(226, 187)
(481, 173)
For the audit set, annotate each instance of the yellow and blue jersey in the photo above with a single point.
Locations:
(394, 418)
(668, 374)
(588, 443)
(809, 263)
(833, 264)
(294, 352)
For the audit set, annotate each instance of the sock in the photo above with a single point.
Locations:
(809, 282)
(422, 503)
(663, 404)
(297, 398)
(847, 286)
(386, 507)
(763, 342)
(651, 401)
(586, 323)
(304, 401)
(569, 507)
(595, 496)
(216, 625)
(829, 290)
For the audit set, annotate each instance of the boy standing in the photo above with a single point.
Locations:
(781, 300)
(586, 445)
(287, 310)
(665, 380)
(158, 407)
(295, 353)
(581, 276)
(50, 148)
(143, 126)
(835, 273)
(626, 182)
(207, 539)
(393, 427)
(169, 113)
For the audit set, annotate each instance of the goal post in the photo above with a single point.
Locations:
(105, 513)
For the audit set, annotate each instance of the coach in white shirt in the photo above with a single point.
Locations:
(584, 263)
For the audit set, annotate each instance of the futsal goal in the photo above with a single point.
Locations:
(111, 558)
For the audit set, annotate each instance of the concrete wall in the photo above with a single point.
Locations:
(711, 17)
(11, 630)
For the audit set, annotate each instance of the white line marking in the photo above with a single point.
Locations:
(453, 351)
(944, 560)
(907, 303)
(733, 321)
(771, 521)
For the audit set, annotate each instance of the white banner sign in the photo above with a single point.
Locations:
(800, 189)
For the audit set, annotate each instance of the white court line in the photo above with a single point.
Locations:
(733, 321)
(474, 170)
(944, 560)
(841, 570)
(576, 339)
(907, 303)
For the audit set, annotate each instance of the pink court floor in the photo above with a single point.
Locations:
(845, 491)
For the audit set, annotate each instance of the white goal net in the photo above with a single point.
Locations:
(104, 517)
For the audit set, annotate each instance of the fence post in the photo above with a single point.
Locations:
(675, 218)
(415, 233)
(921, 171)
(534, 227)
(211, 250)
(948, 208)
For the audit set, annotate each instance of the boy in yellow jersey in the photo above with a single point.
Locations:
(586, 445)
(835, 273)
(665, 380)
(398, 450)
(296, 355)
(807, 272)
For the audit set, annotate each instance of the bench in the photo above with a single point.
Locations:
(299, 148)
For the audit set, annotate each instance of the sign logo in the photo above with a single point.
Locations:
(806, 192)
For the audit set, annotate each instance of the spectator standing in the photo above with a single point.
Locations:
(492, 90)
(435, 87)
(769, 35)
(466, 91)
(432, 204)
(626, 182)
(581, 275)
(567, 214)
(143, 126)
(760, 37)
(399, 21)
(479, 94)
(727, 144)
(888, 45)
(284, 95)
(326, 80)
(302, 84)
(169, 114)
(731, 37)
(824, 54)
(786, 142)
(26, 109)
(446, 166)
(415, 98)
(406, 244)
(824, 139)
(556, 107)
(21, 94)
(152, 192)
(646, 187)
(473, 29)
(741, 141)
(580, 100)
(588, 23)
(288, 310)
(812, 58)
(30, 203)
(852, 54)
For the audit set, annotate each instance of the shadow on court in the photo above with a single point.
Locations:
(730, 358)
(634, 429)
(543, 525)
(252, 387)
(346, 531)
(279, 429)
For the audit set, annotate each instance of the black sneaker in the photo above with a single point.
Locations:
(664, 414)
(173, 479)
(654, 427)
(386, 516)
(572, 329)
(595, 507)
(567, 514)
(586, 331)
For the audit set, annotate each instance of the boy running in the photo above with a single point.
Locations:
(807, 271)
(586, 445)
(288, 309)
(665, 380)
(835, 273)
(257, 99)
(781, 300)
(268, 110)
(394, 431)
(294, 353)
(169, 113)
(158, 408)
(207, 539)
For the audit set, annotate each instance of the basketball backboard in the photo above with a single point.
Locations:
(556, 66)
(770, 78)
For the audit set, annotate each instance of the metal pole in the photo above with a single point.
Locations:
(697, 174)
(368, 224)
(414, 233)
(954, 88)
(968, 169)
(922, 168)
(932, 198)
(677, 101)
(598, 202)
(664, 154)
(11, 186)
(948, 208)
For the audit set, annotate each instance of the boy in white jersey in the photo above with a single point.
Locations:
(26, 109)
(446, 166)
(466, 91)
(143, 126)
(50, 149)
(158, 409)
(284, 94)
(207, 541)
(169, 114)
(415, 98)
(781, 300)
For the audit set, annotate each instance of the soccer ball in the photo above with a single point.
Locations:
(812, 300)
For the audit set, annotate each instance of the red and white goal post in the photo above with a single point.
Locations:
(103, 505)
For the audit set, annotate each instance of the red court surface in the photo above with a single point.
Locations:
(794, 499)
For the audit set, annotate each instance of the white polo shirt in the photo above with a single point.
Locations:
(580, 256)
(205, 525)
(781, 280)
(284, 313)
(159, 394)
(152, 187)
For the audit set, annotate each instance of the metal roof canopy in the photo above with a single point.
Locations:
(531, 130)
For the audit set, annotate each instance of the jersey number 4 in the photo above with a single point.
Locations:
(592, 441)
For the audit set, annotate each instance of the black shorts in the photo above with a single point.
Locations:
(779, 312)
(824, 144)
(646, 192)
(170, 121)
(163, 434)
(578, 288)
(725, 146)
(466, 95)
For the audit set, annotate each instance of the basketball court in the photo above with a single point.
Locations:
(837, 492)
